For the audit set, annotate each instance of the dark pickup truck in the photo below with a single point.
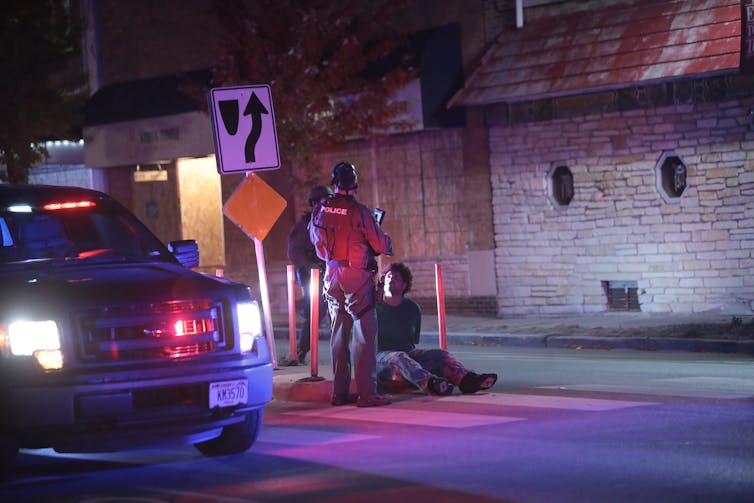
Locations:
(108, 338)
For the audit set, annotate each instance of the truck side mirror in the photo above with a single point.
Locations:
(185, 251)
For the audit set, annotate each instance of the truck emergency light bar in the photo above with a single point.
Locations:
(68, 205)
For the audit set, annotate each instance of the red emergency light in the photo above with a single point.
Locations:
(193, 327)
(68, 205)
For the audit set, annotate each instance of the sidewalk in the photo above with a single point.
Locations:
(720, 333)
(715, 333)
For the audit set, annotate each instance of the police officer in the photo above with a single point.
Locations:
(304, 258)
(347, 237)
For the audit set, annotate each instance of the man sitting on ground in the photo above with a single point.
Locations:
(399, 363)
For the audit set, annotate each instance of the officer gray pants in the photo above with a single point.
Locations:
(351, 301)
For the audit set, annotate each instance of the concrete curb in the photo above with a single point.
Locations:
(580, 341)
(593, 342)
(296, 384)
(653, 344)
(292, 390)
(521, 340)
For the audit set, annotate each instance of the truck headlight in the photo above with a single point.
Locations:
(249, 324)
(40, 339)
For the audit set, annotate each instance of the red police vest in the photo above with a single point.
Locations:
(344, 232)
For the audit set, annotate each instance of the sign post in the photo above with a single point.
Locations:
(255, 207)
(265, 294)
(243, 126)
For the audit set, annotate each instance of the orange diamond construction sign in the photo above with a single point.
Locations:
(254, 207)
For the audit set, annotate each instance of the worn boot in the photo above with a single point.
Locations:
(473, 382)
(439, 386)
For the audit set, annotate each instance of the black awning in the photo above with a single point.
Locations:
(141, 99)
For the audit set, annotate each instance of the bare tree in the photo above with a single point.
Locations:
(332, 65)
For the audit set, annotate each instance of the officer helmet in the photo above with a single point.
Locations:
(344, 176)
(316, 194)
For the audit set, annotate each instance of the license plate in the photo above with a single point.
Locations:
(227, 393)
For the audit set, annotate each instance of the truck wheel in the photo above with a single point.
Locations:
(235, 438)
(8, 455)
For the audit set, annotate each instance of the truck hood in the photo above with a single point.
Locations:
(74, 287)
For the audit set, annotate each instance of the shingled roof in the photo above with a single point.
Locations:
(621, 44)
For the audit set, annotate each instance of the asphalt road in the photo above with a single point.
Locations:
(560, 425)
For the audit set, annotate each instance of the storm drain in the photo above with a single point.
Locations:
(622, 295)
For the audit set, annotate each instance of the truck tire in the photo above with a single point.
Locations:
(8, 455)
(235, 438)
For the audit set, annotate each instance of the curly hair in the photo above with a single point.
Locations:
(400, 268)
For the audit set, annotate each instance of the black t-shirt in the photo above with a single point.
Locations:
(398, 327)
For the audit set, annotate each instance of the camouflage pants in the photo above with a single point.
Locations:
(401, 369)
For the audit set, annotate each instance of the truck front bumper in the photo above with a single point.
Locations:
(96, 417)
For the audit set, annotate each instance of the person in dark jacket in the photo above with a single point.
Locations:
(304, 258)
(400, 364)
(348, 238)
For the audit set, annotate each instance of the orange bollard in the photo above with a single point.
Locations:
(313, 327)
(440, 287)
(314, 320)
(292, 309)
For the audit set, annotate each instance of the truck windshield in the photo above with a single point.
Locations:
(61, 232)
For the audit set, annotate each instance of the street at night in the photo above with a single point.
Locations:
(560, 425)
(230, 230)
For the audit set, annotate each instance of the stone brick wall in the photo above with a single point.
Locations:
(691, 256)
(467, 306)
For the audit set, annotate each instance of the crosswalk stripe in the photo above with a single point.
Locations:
(307, 436)
(544, 401)
(397, 415)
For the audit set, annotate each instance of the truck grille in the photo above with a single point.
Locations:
(143, 332)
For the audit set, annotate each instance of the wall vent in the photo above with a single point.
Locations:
(622, 295)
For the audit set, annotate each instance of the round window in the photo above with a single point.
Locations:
(560, 185)
(670, 176)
